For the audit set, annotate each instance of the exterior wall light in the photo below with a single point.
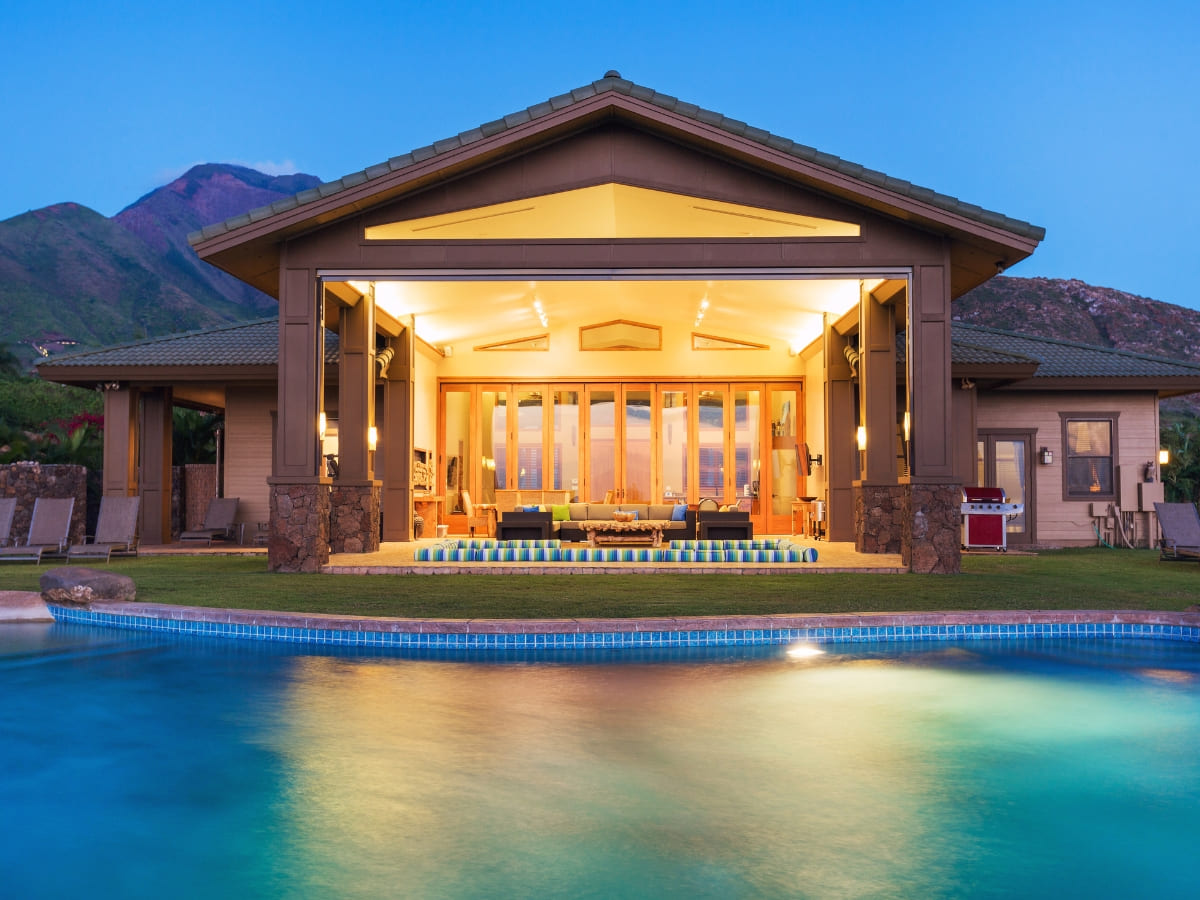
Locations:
(861, 436)
(322, 422)
(1045, 456)
(372, 437)
(1164, 457)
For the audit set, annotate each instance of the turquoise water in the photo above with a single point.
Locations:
(141, 766)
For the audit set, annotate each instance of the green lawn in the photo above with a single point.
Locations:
(1092, 578)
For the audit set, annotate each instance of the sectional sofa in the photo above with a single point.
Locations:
(566, 521)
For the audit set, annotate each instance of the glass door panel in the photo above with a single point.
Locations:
(565, 443)
(637, 421)
(1005, 462)
(747, 450)
(784, 475)
(710, 444)
(493, 443)
(457, 452)
(529, 439)
(601, 444)
(673, 445)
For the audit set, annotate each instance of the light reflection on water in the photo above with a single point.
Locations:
(238, 769)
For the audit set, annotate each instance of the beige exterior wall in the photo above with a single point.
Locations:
(248, 442)
(1066, 523)
(814, 420)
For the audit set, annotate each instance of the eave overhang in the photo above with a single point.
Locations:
(982, 242)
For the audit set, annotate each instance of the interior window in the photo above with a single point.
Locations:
(1089, 464)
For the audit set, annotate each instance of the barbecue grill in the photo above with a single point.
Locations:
(985, 513)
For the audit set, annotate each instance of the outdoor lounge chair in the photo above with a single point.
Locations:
(1180, 526)
(8, 506)
(218, 521)
(116, 531)
(48, 531)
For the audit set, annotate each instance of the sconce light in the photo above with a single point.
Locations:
(861, 436)
(447, 351)
(372, 437)
(907, 426)
(1164, 457)
(1045, 457)
(321, 423)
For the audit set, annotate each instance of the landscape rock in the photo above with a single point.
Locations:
(81, 586)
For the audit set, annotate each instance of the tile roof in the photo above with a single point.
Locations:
(613, 82)
(253, 343)
(1066, 359)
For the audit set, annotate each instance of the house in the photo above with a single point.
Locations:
(614, 293)
(1069, 430)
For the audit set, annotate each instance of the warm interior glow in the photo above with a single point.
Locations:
(611, 211)
(777, 312)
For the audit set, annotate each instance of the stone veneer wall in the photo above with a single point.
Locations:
(199, 488)
(879, 518)
(299, 535)
(29, 480)
(932, 541)
(354, 519)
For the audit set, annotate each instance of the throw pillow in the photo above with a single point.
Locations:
(679, 513)
(560, 513)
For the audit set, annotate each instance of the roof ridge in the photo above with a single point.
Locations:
(1043, 339)
(613, 82)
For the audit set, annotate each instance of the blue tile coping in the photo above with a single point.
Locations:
(591, 634)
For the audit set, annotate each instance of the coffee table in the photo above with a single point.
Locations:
(639, 531)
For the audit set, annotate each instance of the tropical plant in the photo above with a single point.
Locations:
(1181, 438)
(194, 436)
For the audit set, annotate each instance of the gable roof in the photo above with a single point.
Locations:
(241, 345)
(1067, 364)
(613, 83)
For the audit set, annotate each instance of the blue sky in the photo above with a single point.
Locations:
(1080, 117)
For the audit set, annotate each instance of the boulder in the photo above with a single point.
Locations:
(80, 586)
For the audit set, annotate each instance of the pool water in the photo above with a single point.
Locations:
(138, 765)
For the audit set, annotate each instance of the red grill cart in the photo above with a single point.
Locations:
(985, 514)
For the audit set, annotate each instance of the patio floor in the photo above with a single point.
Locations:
(396, 558)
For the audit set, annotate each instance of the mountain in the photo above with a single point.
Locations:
(72, 277)
(1071, 310)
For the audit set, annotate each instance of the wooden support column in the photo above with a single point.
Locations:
(932, 451)
(397, 403)
(877, 389)
(878, 499)
(354, 499)
(932, 538)
(119, 476)
(839, 436)
(298, 539)
(154, 439)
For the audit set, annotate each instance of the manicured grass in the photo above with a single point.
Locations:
(1091, 578)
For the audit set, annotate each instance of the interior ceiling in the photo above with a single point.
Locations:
(470, 313)
(611, 211)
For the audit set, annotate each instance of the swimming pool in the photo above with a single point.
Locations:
(140, 765)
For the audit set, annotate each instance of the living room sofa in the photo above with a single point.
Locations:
(567, 521)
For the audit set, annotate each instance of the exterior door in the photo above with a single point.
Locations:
(1004, 459)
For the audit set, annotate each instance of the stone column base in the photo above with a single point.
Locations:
(354, 519)
(932, 539)
(879, 517)
(298, 540)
